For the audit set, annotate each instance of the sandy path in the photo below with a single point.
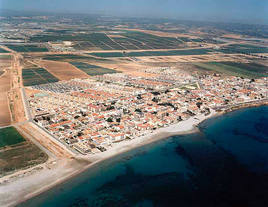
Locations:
(4, 105)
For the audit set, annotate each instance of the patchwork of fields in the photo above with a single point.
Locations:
(249, 70)
(92, 69)
(69, 57)
(27, 48)
(36, 76)
(125, 40)
(152, 53)
(243, 48)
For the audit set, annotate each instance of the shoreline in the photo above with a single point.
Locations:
(188, 126)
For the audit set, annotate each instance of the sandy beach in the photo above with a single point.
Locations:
(27, 185)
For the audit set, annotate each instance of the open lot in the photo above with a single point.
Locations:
(250, 70)
(92, 69)
(27, 48)
(62, 70)
(5, 62)
(36, 76)
(16, 152)
(4, 105)
(19, 157)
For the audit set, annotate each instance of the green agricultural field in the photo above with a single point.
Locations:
(69, 57)
(248, 70)
(149, 41)
(107, 54)
(10, 136)
(3, 51)
(260, 69)
(243, 48)
(92, 69)
(129, 40)
(37, 76)
(94, 40)
(5, 57)
(152, 53)
(27, 48)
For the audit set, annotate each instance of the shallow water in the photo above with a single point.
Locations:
(224, 165)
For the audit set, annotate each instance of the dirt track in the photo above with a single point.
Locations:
(4, 105)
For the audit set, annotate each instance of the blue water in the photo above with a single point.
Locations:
(224, 165)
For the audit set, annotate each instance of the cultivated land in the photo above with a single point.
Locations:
(62, 70)
(10, 136)
(92, 69)
(27, 48)
(71, 57)
(153, 53)
(3, 50)
(37, 76)
(16, 153)
(81, 91)
(247, 70)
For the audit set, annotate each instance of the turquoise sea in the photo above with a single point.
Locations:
(225, 165)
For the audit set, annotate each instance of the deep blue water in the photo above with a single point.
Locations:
(224, 165)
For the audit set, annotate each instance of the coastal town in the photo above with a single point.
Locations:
(90, 115)
(80, 91)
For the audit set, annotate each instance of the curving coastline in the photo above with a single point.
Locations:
(45, 182)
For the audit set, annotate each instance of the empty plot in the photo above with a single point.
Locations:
(4, 106)
(36, 76)
(92, 69)
(22, 155)
(10, 136)
(62, 70)
(5, 62)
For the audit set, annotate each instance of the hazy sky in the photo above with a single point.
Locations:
(226, 10)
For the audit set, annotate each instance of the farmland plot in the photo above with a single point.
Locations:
(36, 76)
(27, 48)
(92, 69)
